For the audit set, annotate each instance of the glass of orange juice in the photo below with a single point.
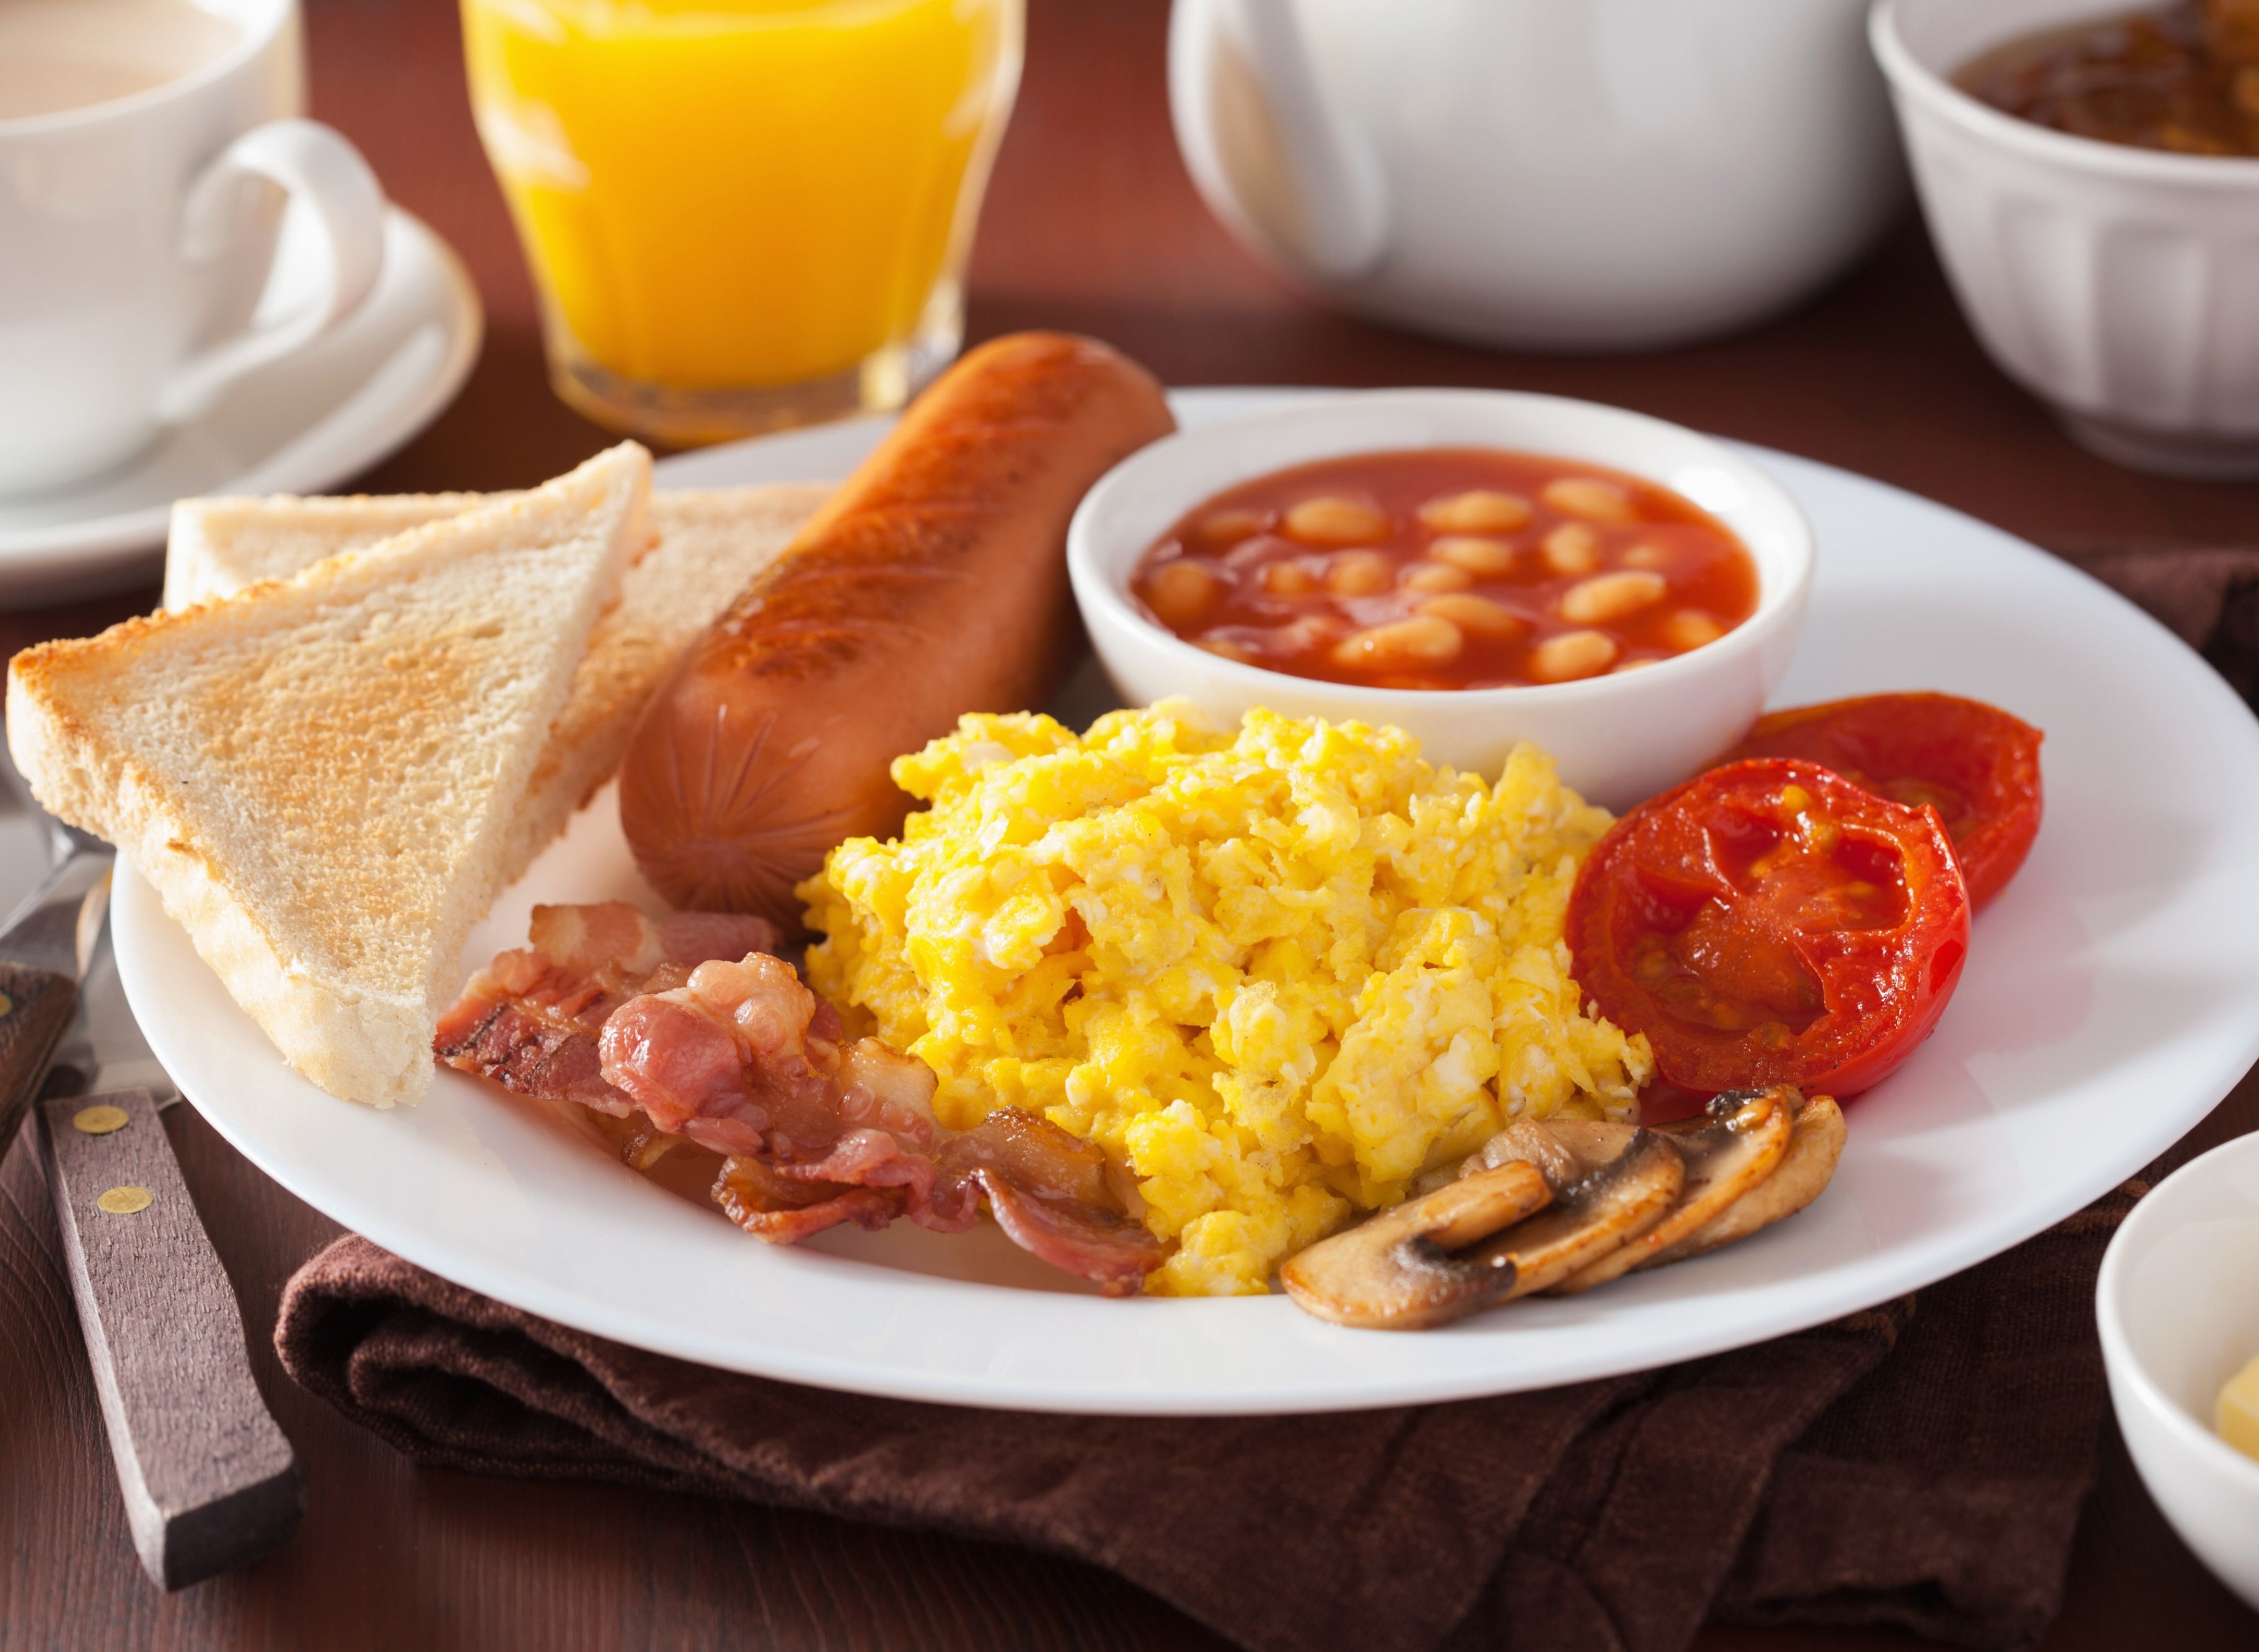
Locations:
(743, 214)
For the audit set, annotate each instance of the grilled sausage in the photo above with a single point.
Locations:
(932, 584)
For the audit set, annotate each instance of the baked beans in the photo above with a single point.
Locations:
(1448, 568)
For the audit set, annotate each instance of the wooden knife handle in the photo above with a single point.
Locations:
(35, 1006)
(209, 1479)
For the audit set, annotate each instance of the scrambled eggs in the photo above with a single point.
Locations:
(1277, 974)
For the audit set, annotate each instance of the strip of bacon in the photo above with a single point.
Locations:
(743, 1059)
(1012, 1159)
(1052, 1192)
(530, 1018)
(740, 1060)
(653, 1025)
(784, 1209)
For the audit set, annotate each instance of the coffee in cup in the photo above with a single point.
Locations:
(64, 55)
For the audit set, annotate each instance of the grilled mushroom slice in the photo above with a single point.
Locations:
(1814, 1146)
(1393, 1272)
(1729, 1153)
(1611, 1183)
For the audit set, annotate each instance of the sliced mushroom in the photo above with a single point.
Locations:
(1393, 1272)
(1814, 1146)
(1729, 1152)
(1611, 1183)
(1528, 1142)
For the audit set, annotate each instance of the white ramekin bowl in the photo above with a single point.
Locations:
(2178, 1308)
(1618, 738)
(2120, 284)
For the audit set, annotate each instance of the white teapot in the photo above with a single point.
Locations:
(1564, 175)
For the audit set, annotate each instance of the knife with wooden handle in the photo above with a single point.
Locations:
(208, 1477)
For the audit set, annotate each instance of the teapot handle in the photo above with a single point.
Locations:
(1268, 154)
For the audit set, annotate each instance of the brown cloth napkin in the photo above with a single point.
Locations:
(2207, 597)
(1920, 1464)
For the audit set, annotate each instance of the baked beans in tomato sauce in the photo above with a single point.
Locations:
(1448, 568)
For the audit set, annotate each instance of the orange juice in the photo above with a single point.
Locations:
(720, 196)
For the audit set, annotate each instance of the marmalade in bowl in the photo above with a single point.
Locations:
(2183, 79)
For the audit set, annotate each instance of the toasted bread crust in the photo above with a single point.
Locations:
(217, 547)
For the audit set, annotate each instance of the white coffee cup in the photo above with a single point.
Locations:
(1576, 174)
(136, 238)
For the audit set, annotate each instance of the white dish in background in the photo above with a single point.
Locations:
(1618, 738)
(1578, 176)
(304, 423)
(2112, 998)
(2178, 1308)
(2120, 284)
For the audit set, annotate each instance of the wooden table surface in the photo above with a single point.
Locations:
(1091, 224)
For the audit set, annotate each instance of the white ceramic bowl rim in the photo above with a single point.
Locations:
(2155, 1209)
(1104, 586)
(259, 19)
(1918, 80)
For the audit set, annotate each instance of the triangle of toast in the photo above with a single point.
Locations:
(322, 776)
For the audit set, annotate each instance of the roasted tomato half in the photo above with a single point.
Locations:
(1974, 764)
(1770, 922)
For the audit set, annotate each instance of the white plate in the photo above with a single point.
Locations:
(302, 424)
(2111, 999)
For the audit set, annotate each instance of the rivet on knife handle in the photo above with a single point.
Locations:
(35, 1006)
(209, 1480)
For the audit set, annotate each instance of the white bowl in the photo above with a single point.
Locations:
(1551, 173)
(2120, 284)
(1618, 738)
(2178, 1306)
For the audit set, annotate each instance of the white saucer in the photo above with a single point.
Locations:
(298, 426)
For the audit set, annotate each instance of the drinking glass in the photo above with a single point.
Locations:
(743, 214)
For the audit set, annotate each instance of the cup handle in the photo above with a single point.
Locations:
(320, 168)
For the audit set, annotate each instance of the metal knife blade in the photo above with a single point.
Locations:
(103, 1049)
(32, 841)
(64, 925)
(44, 948)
